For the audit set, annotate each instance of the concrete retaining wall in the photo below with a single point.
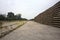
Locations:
(47, 16)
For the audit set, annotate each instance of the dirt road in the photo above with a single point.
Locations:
(34, 31)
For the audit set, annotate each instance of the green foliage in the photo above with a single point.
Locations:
(11, 17)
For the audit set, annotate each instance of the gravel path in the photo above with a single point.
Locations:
(34, 31)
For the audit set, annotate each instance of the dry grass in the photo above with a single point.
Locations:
(8, 27)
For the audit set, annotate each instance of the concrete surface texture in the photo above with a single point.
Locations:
(34, 31)
(51, 16)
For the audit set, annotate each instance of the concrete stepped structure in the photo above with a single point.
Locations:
(51, 16)
(56, 20)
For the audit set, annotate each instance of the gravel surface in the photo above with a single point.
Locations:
(34, 31)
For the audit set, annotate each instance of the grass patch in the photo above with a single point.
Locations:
(19, 23)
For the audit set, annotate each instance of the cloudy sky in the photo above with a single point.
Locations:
(28, 8)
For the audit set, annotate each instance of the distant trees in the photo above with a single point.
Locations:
(11, 16)
(23, 19)
(18, 17)
(31, 19)
(2, 17)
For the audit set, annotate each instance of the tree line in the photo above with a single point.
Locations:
(11, 16)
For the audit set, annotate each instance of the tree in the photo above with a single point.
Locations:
(10, 16)
(2, 17)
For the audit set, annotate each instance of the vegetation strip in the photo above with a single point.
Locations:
(11, 30)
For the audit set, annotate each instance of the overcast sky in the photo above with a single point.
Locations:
(28, 8)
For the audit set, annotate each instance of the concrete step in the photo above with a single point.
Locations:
(57, 26)
(56, 22)
(57, 17)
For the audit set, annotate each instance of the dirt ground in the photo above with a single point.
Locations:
(7, 26)
(34, 31)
